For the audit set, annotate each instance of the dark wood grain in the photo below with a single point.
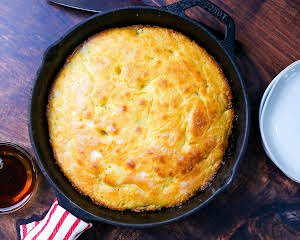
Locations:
(261, 204)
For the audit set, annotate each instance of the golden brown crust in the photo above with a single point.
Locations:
(139, 118)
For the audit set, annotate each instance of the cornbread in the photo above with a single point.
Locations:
(139, 118)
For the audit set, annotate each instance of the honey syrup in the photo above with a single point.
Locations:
(17, 177)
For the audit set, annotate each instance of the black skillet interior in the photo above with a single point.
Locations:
(170, 17)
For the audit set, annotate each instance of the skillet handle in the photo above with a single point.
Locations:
(72, 208)
(228, 42)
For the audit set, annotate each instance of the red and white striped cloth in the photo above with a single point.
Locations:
(58, 224)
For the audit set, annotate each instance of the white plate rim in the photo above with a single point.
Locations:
(266, 94)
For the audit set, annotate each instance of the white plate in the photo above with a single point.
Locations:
(280, 121)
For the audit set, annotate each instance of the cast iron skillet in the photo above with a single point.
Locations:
(172, 17)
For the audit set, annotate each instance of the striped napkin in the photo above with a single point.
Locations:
(58, 224)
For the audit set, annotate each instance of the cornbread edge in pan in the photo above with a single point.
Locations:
(139, 118)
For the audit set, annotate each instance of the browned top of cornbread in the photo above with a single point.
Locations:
(139, 118)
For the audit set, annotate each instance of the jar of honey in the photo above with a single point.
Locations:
(18, 177)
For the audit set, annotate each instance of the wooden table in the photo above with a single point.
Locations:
(261, 204)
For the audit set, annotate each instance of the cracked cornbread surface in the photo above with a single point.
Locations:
(139, 118)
